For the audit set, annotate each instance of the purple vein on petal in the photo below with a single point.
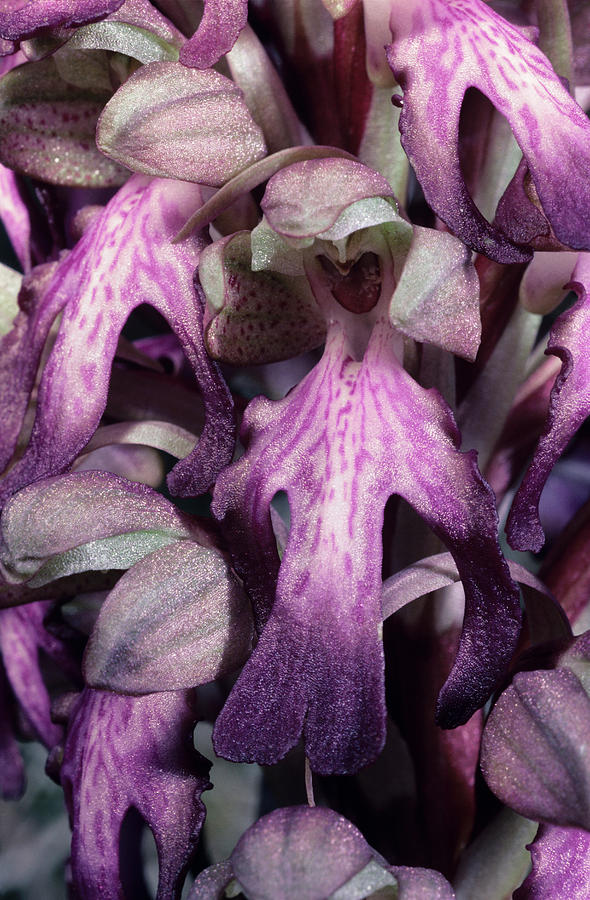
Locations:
(124, 752)
(350, 435)
(462, 44)
(124, 259)
(569, 406)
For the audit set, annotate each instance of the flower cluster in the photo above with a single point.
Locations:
(271, 379)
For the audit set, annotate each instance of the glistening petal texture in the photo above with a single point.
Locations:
(124, 752)
(350, 435)
(299, 853)
(440, 49)
(334, 184)
(177, 619)
(561, 865)
(52, 518)
(217, 33)
(21, 19)
(536, 748)
(569, 406)
(180, 123)
(124, 259)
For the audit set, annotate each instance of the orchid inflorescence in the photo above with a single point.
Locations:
(272, 325)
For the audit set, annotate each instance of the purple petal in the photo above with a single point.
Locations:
(124, 752)
(350, 435)
(463, 45)
(15, 217)
(570, 405)
(20, 352)
(335, 184)
(299, 853)
(561, 865)
(48, 128)
(180, 123)
(536, 748)
(22, 636)
(177, 619)
(123, 260)
(217, 33)
(21, 19)
(255, 317)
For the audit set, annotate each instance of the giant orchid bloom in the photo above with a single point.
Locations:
(355, 431)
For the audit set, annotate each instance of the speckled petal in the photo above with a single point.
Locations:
(561, 865)
(124, 259)
(124, 752)
(350, 435)
(461, 44)
(21, 19)
(15, 217)
(570, 405)
(180, 123)
(255, 317)
(48, 126)
(299, 853)
(536, 748)
(217, 33)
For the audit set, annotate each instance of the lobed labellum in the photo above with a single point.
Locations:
(318, 666)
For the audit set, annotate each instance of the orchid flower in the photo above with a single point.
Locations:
(271, 381)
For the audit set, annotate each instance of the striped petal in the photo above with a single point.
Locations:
(132, 752)
(348, 437)
(440, 49)
(124, 259)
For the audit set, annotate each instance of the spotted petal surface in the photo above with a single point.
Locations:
(124, 259)
(569, 406)
(124, 752)
(350, 435)
(462, 44)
